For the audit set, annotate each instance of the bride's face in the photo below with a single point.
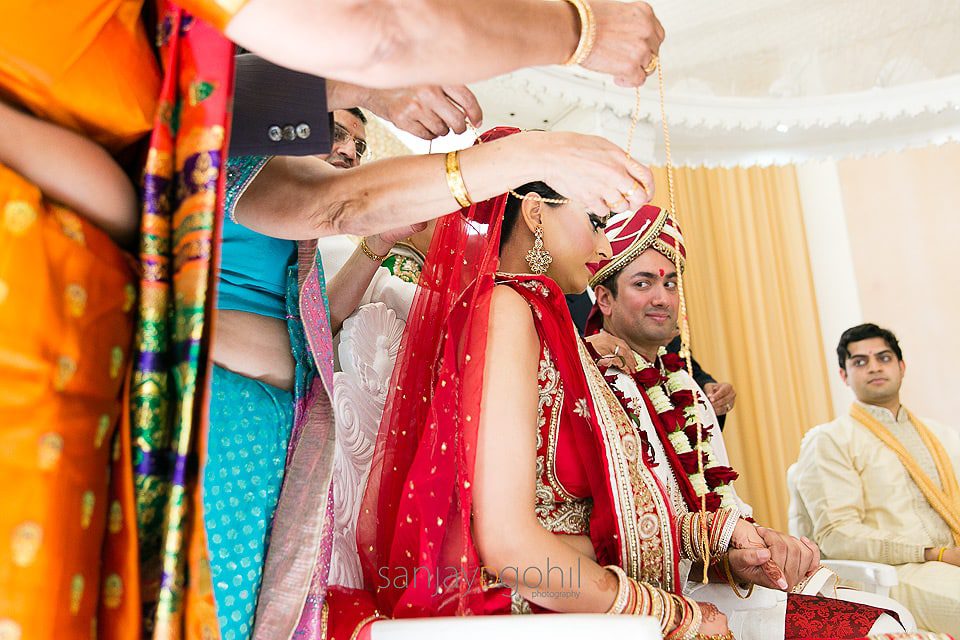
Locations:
(575, 239)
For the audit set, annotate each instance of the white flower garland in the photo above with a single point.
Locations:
(660, 398)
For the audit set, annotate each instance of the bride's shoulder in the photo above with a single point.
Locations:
(507, 301)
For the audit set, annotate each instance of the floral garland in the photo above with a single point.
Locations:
(674, 404)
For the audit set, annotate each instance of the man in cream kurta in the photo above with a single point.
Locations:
(863, 503)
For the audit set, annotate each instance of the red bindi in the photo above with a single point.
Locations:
(662, 273)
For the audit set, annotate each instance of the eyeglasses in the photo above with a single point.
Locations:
(342, 134)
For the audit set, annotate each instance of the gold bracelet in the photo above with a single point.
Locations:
(940, 555)
(455, 180)
(623, 590)
(369, 252)
(725, 559)
(588, 33)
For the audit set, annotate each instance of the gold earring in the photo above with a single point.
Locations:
(538, 258)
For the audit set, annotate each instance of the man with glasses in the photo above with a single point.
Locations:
(349, 139)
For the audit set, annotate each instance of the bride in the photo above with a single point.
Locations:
(499, 415)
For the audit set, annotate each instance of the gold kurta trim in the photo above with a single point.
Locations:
(945, 501)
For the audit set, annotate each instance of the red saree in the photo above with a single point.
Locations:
(414, 534)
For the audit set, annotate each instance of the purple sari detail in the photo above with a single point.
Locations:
(298, 561)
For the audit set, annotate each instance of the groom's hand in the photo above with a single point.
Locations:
(797, 557)
(755, 566)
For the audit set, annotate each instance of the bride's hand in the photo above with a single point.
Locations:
(714, 622)
(754, 566)
(615, 351)
(746, 537)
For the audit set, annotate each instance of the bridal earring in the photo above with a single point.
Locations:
(539, 258)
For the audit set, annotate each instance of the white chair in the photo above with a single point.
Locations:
(369, 343)
(872, 579)
(557, 627)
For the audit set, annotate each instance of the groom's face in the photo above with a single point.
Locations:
(644, 311)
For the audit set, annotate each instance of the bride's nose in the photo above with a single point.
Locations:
(603, 248)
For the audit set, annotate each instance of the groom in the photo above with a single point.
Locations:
(637, 303)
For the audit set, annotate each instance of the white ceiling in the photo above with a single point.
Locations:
(767, 81)
(760, 48)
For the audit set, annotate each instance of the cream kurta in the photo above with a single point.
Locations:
(863, 505)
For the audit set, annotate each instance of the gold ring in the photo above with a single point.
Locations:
(633, 190)
(616, 351)
(626, 204)
(652, 65)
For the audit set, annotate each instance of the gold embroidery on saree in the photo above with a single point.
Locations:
(644, 516)
(557, 509)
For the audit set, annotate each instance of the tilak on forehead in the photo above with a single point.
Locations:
(631, 234)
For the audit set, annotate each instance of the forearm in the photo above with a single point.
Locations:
(548, 572)
(856, 541)
(70, 169)
(394, 43)
(304, 198)
(346, 288)
(344, 95)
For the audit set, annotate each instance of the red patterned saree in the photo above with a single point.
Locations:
(415, 520)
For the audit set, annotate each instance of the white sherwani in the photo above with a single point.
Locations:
(863, 505)
(760, 617)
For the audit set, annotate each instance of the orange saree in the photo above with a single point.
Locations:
(68, 529)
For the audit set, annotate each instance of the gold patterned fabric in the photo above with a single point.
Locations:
(558, 509)
(66, 301)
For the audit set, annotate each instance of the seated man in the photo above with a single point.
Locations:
(636, 315)
(880, 485)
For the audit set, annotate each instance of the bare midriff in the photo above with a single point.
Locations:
(254, 346)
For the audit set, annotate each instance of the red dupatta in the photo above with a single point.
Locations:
(414, 534)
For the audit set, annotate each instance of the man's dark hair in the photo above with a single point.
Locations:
(511, 212)
(865, 332)
(358, 113)
(611, 283)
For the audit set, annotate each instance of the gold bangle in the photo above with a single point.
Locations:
(369, 252)
(588, 33)
(940, 555)
(455, 180)
(623, 589)
(733, 583)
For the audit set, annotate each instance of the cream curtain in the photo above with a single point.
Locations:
(753, 317)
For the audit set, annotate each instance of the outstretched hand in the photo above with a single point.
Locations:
(591, 170)
(628, 37)
(427, 112)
